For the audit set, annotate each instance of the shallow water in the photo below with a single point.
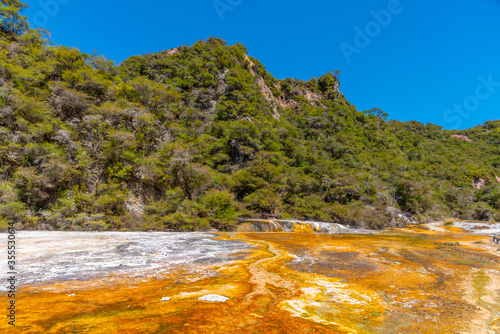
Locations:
(402, 281)
(60, 256)
(479, 227)
(280, 225)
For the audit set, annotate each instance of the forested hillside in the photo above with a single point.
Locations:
(199, 136)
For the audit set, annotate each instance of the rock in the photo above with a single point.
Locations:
(165, 299)
(392, 211)
(479, 182)
(43, 227)
(62, 137)
(213, 298)
(236, 152)
(462, 137)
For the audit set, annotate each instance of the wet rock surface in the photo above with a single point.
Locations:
(282, 225)
(64, 256)
(333, 264)
(414, 280)
(478, 227)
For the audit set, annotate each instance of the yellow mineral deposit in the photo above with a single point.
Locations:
(402, 281)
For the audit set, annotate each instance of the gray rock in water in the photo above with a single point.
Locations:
(214, 298)
(165, 299)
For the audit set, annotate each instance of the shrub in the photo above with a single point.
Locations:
(411, 197)
(95, 226)
(219, 208)
(265, 201)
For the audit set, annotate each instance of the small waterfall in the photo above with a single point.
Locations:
(287, 225)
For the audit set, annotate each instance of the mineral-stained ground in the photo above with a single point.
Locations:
(426, 279)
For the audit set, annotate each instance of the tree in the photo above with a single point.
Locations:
(377, 112)
(329, 82)
(12, 22)
(102, 63)
(411, 197)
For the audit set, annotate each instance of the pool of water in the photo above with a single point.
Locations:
(44, 256)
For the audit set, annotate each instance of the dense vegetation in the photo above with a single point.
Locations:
(199, 136)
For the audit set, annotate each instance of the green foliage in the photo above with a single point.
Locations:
(102, 63)
(11, 20)
(266, 201)
(119, 172)
(110, 200)
(10, 208)
(411, 196)
(189, 139)
(221, 209)
(328, 83)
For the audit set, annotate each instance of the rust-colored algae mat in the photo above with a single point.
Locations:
(400, 281)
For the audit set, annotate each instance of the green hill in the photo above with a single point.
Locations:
(199, 136)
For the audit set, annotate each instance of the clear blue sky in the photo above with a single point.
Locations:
(436, 62)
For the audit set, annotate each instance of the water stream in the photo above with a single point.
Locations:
(281, 225)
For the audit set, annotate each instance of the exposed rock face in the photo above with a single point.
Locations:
(283, 102)
(236, 153)
(44, 227)
(462, 137)
(265, 90)
(479, 182)
(171, 51)
(135, 205)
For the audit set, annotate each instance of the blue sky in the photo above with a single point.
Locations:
(436, 62)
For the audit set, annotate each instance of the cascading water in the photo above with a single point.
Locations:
(281, 225)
